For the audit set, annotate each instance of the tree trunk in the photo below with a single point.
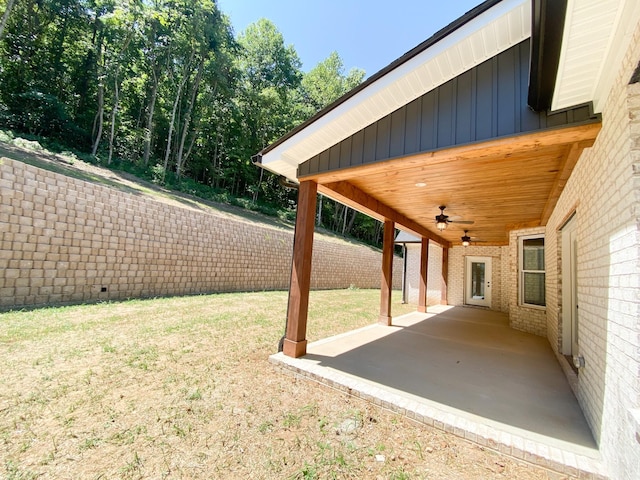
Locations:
(5, 16)
(99, 119)
(82, 84)
(57, 59)
(344, 220)
(114, 113)
(352, 220)
(319, 217)
(337, 216)
(149, 127)
(116, 94)
(214, 163)
(196, 132)
(187, 118)
(173, 113)
(255, 193)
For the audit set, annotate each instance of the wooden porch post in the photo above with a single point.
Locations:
(295, 343)
(445, 275)
(424, 272)
(387, 273)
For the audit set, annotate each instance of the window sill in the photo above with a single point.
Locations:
(532, 307)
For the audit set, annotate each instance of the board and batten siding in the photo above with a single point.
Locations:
(489, 101)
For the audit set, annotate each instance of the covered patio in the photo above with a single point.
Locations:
(496, 118)
(461, 122)
(462, 370)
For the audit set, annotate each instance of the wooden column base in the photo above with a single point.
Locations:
(294, 349)
(422, 309)
(385, 320)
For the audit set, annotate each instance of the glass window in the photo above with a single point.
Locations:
(532, 274)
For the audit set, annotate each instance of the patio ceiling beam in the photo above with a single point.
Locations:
(355, 198)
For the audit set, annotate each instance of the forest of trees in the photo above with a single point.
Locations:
(167, 89)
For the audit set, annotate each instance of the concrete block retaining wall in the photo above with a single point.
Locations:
(64, 240)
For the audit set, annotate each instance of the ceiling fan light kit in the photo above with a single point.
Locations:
(441, 225)
(466, 239)
(441, 220)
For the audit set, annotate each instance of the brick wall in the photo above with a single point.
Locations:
(63, 240)
(604, 192)
(457, 256)
(500, 277)
(434, 274)
(524, 318)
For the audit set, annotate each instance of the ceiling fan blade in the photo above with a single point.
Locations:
(465, 222)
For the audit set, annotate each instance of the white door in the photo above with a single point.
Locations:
(478, 281)
(569, 289)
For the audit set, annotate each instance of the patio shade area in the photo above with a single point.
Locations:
(465, 371)
(499, 185)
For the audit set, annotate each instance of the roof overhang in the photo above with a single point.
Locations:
(482, 33)
(596, 33)
(501, 183)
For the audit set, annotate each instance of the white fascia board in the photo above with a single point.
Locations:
(497, 29)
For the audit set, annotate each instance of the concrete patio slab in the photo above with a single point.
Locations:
(463, 370)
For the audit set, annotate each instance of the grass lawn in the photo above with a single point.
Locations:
(182, 388)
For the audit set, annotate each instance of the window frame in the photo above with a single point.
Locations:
(522, 271)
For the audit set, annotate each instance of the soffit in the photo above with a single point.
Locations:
(493, 31)
(500, 185)
(595, 37)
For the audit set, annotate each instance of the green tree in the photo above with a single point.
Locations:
(321, 86)
(267, 103)
(326, 82)
(5, 16)
(41, 47)
(164, 84)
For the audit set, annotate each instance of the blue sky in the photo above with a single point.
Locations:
(366, 34)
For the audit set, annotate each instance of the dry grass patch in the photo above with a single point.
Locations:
(181, 388)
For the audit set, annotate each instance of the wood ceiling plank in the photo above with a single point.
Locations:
(500, 185)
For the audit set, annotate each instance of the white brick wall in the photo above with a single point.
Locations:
(604, 191)
(434, 275)
(457, 256)
(528, 319)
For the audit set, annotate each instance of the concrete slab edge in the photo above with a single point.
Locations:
(536, 453)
